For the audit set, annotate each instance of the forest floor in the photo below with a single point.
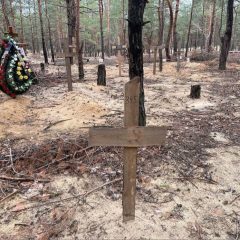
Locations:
(52, 183)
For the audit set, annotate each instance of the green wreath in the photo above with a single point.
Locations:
(17, 76)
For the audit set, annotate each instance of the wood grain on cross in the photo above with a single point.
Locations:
(130, 137)
(68, 56)
(120, 58)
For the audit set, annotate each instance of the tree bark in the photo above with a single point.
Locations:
(167, 47)
(78, 42)
(209, 39)
(226, 39)
(135, 28)
(71, 21)
(4, 9)
(189, 28)
(49, 32)
(161, 32)
(100, 4)
(42, 32)
(175, 40)
(36, 27)
(31, 27)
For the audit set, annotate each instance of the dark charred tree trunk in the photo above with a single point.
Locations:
(42, 32)
(101, 80)
(49, 32)
(161, 31)
(195, 91)
(226, 39)
(175, 40)
(135, 28)
(189, 29)
(167, 47)
(71, 21)
(78, 42)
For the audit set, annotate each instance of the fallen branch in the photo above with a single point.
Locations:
(237, 197)
(55, 123)
(8, 196)
(28, 179)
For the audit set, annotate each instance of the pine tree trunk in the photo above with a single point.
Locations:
(226, 39)
(42, 32)
(100, 3)
(5, 14)
(189, 28)
(49, 32)
(36, 27)
(31, 27)
(21, 20)
(135, 27)
(78, 42)
(161, 32)
(175, 40)
(71, 21)
(209, 39)
(12, 14)
(167, 47)
(108, 28)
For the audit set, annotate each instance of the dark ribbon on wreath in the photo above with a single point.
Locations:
(16, 76)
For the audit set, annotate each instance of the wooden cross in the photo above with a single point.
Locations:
(119, 48)
(11, 32)
(130, 137)
(68, 56)
(155, 48)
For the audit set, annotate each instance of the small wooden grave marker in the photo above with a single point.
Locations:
(68, 55)
(130, 137)
(120, 58)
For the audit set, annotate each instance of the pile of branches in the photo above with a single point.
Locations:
(204, 56)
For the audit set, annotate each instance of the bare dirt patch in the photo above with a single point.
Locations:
(188, 189)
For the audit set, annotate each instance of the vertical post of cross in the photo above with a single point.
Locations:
(131, 113)
(68, 57)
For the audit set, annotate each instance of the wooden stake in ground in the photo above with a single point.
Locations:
(130, 137)
(68, 56)
(120, 58)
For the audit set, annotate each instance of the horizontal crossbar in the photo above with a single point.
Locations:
(128, 137)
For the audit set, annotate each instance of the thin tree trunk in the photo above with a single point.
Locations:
(4, 9)
(221, 19)
(71, 20)
(175, 40)
(135, 27)
(211, 27)
(12, 14)
(108, 29)
(100, 3)
(36, 27)
(78, 42)
(189, 28)
(234, 30)
(226, 39)
(203, 25)
(161, 32)
(42, 32)
(49, 32)
(167, 47)
(123, 23)
(31, 27)
(21, 20)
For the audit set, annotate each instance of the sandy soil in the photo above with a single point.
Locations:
(167, 207)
